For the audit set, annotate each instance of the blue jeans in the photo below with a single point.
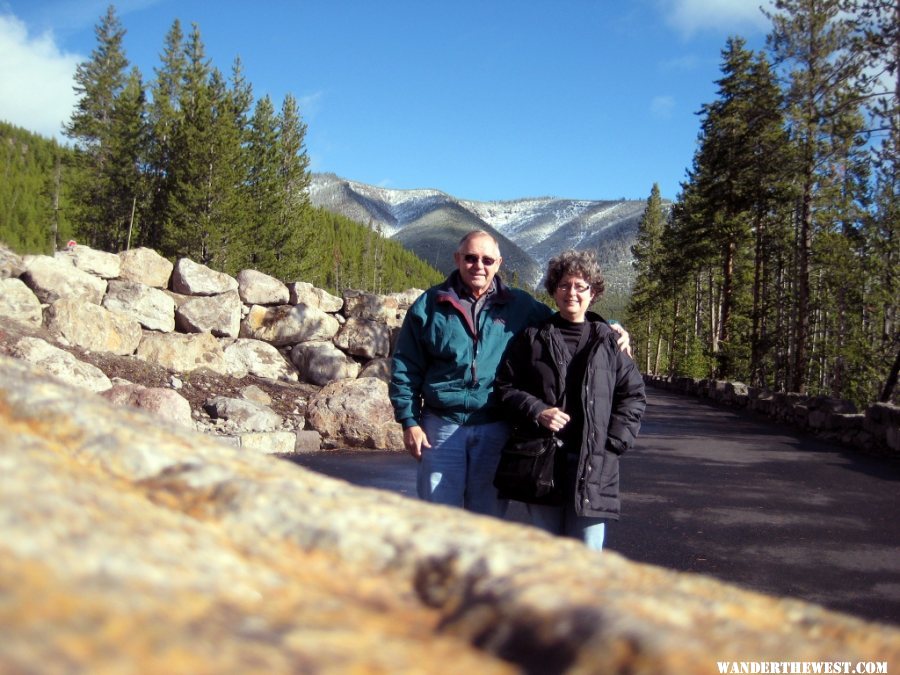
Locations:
(562, 520)
(458, 469)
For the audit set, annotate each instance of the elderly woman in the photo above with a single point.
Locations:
(568, 376)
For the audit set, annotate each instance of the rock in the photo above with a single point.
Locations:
(11, 264)
(168, 406)
(149, 306)
(260, 359)
(253, 393)
(244, 415)
(93, 327)
(61, 364)
(145, 266)
(192, 278)
(373, 307)
(361, 337)
(321, 362)
(356, 413)
(99, 263)
(216, 314)
(308, 440)
(271, 442)
(130, 548)
(380, 368)
(52, 279)
(18, 302)
(183, 353)
(406, 298)
(303, 293)
(256, 288)
(286, 324)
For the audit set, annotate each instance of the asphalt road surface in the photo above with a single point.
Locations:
(731, 495)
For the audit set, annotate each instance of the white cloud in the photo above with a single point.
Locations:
(662, 106)
(36, 79)
(727, 16)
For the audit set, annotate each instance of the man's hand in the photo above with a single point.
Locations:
(624, 340)
(414, 439)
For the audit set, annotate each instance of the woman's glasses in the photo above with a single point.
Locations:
(471, 258)
(579, 288)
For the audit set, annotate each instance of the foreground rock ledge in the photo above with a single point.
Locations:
(127, 548)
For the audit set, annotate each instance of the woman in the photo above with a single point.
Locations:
(568, 375)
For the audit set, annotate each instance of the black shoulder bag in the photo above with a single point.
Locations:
(527, 468)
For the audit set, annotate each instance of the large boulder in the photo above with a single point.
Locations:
(128, 547)
(356, 414)
(321, 362)
(52, 279)
(256, 288)
(99, 263)
(260, 359)
(152, 308)
(373, 307)
(18, 302)
(191, 278)
(287, 324)
(61, 364)
(93, 327)
(11, 263)
(361, 337)
(183, 353)
(169, 407)
(145, 266)
(305, 293)
(244, 415)
(216, 314)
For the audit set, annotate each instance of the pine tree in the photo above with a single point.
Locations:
(812, 41)
(643, 306)
(163, 115)
(98, 83)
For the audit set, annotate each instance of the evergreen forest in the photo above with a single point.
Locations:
(190, 165)
(777, 264)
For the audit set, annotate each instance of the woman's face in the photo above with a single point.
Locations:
(573, 296)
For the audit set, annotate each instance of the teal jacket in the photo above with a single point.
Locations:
(445, 364)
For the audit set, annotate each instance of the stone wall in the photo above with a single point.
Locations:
(875, 431)
(184, 317)
(127, 547)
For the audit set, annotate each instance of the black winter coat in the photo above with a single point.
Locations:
(531, 379)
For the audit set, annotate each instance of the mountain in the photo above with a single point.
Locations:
(530, 231)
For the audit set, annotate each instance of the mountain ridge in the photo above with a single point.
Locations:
(530, 230)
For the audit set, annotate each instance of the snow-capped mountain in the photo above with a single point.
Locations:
(530, 231)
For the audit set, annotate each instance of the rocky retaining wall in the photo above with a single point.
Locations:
(184, 317)
(129, 548)
(876, 431)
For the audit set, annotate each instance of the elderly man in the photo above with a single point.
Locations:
(442, 379)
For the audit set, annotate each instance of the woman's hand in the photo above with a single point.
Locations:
(553, 419)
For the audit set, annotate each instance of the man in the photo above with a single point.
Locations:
(442, 378)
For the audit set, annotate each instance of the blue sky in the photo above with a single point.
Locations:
(483, 99)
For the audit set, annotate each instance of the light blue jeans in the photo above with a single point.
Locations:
(563, 521)
(458, 469)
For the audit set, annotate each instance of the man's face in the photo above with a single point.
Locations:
(478, 261)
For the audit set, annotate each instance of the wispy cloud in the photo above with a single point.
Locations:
(36, 86)
(728, 16)
(661, 107)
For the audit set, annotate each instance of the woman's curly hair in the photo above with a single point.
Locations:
(577, 263)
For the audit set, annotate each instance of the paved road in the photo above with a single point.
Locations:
(727, 494)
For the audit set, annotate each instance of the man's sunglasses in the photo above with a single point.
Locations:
(471, 258)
